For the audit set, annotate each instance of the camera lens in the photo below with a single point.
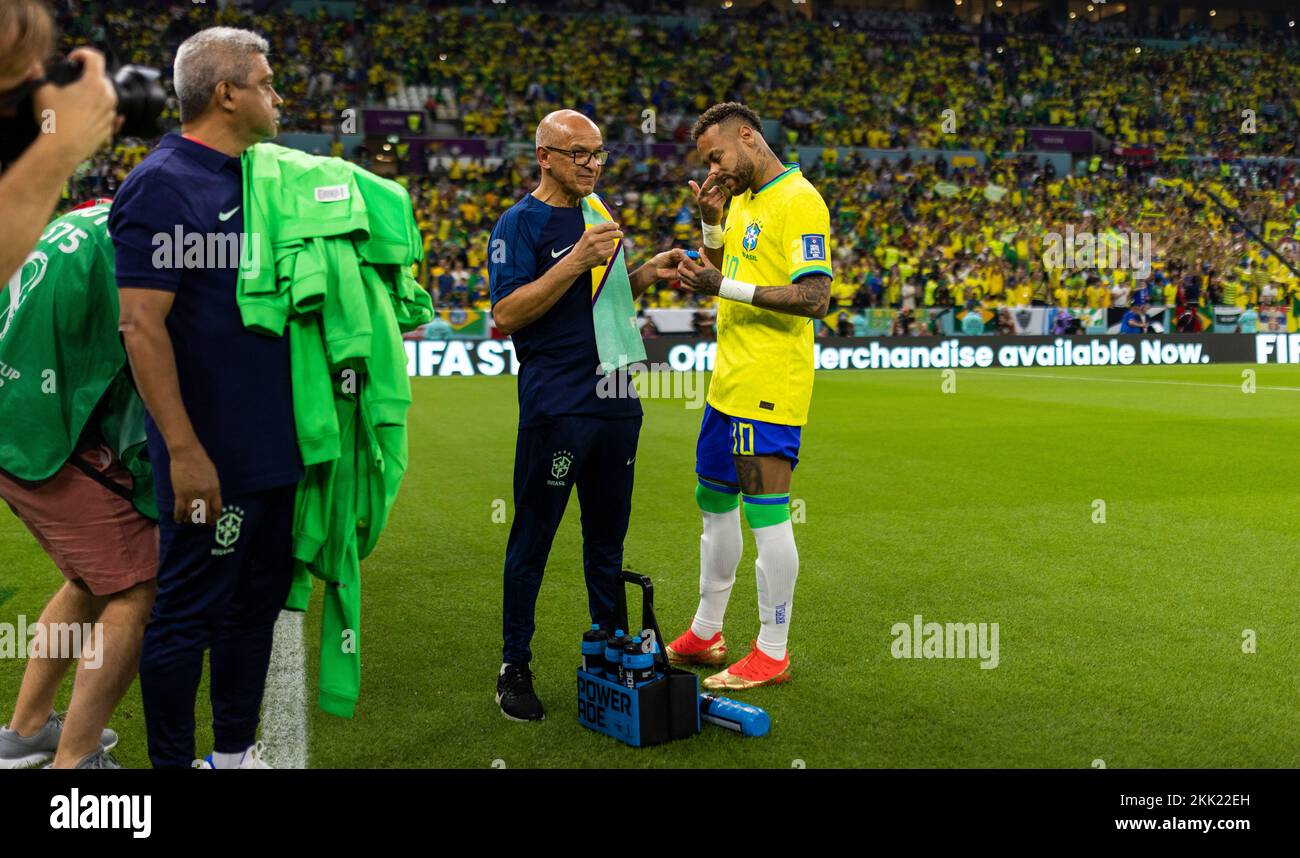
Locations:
(140, 100)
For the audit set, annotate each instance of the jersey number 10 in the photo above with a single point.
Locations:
(742, 438)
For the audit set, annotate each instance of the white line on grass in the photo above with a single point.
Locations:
(1000, 373)
(284, 705)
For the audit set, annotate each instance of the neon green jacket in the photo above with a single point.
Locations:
(333, 247)
(63, 369)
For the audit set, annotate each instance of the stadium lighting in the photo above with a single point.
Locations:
(726, 4)
(1073, 15)
(1091, 7)
(956, 2)
(1290, 23)
(1213, 13)
(1137, 50)
(442, 58)
(998, 4)
(835, 24)
(999, 49)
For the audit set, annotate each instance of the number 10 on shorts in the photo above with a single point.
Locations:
(742, 438)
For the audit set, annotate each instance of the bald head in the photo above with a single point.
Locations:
(570, 153)
(560, 128)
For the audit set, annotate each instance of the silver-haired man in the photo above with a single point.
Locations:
(220, 429)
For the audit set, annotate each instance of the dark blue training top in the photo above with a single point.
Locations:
(234, 383)
(558, 364)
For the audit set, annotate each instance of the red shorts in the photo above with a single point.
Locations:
(93, 535)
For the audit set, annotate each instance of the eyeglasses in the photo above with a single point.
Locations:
(601, 155)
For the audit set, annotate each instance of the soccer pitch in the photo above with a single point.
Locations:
(1120, 640)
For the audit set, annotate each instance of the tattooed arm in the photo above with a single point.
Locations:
(809, 297)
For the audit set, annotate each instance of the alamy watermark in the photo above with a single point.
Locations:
(89, 811)
(53, 640)
(654, 381)
(920, 639)
(206, 250)
(1075, 250)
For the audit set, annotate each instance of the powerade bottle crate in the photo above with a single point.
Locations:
(647, 715)
(659, 711)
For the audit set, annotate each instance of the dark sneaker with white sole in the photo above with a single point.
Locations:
(515, 694)
(18, 752)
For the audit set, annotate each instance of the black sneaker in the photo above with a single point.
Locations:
(515, 694)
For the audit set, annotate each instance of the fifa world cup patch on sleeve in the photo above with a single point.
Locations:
(814, 248)
(332, 193)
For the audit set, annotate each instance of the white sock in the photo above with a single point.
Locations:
(228, 761)
(720, 547)
(777, 568)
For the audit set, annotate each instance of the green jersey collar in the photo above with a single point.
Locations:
(790, 169)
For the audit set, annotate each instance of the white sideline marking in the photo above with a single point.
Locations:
(1129, 380)
(284, 704)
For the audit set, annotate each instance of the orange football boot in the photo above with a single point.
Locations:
(690, 648)
(755, 669)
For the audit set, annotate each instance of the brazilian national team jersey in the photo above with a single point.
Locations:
(764, 364)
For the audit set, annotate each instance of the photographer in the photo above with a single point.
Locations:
(902, 325)
(72, 470)
(1135, 320)
(1006, 324)
(76, 120)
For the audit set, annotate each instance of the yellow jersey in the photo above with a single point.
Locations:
(763, 369)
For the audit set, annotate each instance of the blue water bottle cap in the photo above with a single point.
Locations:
(595, 627)
(618, 633)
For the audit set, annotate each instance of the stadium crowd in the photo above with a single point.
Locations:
(880, 80)
(911, 235)
(908, 234)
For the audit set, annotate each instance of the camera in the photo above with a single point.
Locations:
(140, 101)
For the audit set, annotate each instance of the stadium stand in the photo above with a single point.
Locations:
(917, 229)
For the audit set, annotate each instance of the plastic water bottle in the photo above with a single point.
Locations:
(638, 664)
(733, 715)
(593, 650)
(614, 656)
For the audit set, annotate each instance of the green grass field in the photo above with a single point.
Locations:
(1119, 641)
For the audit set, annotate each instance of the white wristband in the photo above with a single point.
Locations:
(712, 235)
(736, 290)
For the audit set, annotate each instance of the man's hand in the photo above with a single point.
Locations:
(665, 264)
(710, 197)
(84, 113)
(194, 478)
(661, 266)
(702, 279)
(595, 247)
(531, 301)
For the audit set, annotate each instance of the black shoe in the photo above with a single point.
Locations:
(515, 694)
